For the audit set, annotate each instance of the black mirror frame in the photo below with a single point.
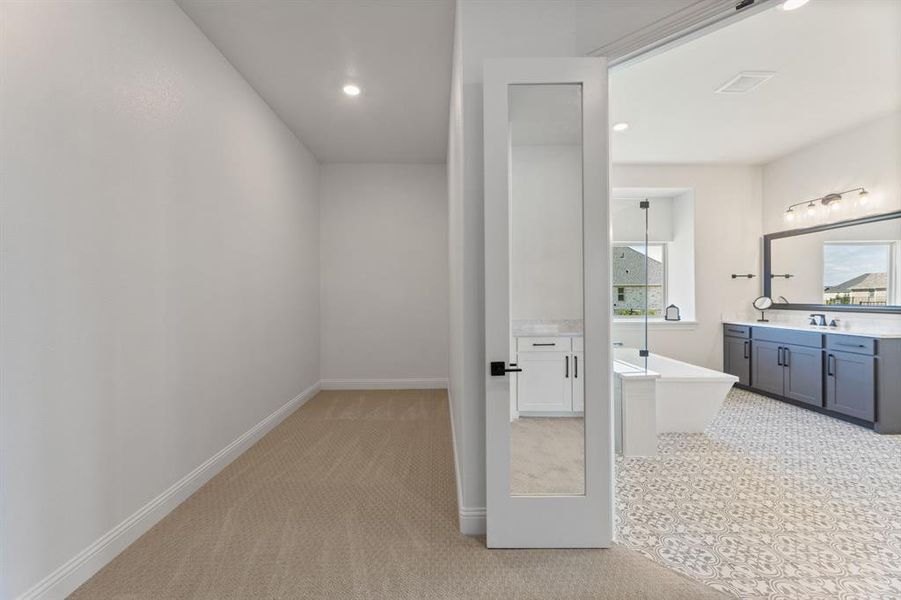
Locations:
(767, 267)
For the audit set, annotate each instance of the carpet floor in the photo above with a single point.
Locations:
(353, 496)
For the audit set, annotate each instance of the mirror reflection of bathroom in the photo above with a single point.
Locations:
(546, 398)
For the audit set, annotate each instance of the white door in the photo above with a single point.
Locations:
(547, 257)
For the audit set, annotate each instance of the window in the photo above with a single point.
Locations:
(629, 286)
(858, 273)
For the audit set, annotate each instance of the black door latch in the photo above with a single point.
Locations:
(499, 369)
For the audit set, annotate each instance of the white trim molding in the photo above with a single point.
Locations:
(68, 577)
(654, 325)
(385, 384)
(473, 521)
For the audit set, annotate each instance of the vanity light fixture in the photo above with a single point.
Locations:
(351, 89)
(829, 202)
(621, 126)
(793, 4)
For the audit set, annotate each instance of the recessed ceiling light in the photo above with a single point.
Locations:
(352, 90)
(793, 4)
(620, 126)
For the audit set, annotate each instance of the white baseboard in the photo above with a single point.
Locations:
(457, 476)
(473, 521)
(66, 579)
(384, 384)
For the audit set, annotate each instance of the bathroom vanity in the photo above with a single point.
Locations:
(551, 356)
(853, 375)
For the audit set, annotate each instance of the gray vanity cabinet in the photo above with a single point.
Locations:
(737, 357)
(788, 363)
(803, 374)
(769, 374)
(857, 377)
(795, 372)
(851, 384)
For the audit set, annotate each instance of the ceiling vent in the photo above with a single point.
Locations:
(744, 82)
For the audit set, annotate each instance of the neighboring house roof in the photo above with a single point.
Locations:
(867, 281)
(628, 267)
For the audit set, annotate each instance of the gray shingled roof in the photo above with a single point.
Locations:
(628, 267)
(867, 281)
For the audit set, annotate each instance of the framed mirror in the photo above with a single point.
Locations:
(852, 265)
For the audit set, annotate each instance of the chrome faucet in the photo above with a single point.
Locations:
(818, 319)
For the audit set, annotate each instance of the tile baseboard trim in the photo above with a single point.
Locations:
(384, 384)
(68, 577)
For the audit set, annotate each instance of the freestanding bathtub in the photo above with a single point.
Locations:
(687, 396)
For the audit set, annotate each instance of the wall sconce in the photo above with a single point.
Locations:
(829, 202)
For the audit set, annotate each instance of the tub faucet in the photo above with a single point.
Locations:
(818, 319)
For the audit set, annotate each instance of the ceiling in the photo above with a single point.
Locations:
(298, 56)
(837, 64)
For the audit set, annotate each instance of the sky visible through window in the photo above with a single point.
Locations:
(842, 262)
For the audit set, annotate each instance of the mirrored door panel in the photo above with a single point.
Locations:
(547, 427)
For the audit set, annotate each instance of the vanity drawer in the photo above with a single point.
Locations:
(578, 344)
(740, 331)
(543, 344)
(813, 339)
(851, 343)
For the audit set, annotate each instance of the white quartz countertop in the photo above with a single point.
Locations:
(547, 327)
(867, 330)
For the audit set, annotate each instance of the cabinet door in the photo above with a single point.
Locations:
(737, 358)
(545, 383)
(767, 372)
(803, 374)
(851, 384)
(578, 383)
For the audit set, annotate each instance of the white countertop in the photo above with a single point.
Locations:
(547, 327)
(867, 330)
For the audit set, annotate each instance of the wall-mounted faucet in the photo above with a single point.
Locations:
(818, 319)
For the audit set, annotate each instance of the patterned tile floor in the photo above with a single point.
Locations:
(773, 501)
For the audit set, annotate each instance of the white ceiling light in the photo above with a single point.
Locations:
(620, 126)
(352, 90)
(793, 4)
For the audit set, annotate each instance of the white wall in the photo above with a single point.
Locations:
(868, 155)
(384, 274)
(546, 211)
(484, 28)
(459, 386)
(727, 240)
(160, 266)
